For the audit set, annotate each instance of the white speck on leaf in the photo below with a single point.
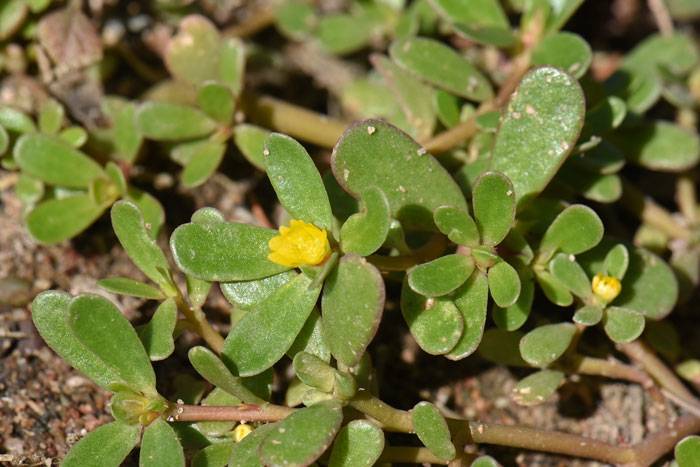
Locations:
(509, 192)
(421, 151)
(371, 130)
(266, 152)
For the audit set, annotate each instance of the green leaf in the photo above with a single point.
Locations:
(4, 140)
(129, 226)
(246, 451)
(250, 140)
(365, 232)
(295, 19)
(218, 397)
(415, 98)
(457, 225)
(677, 53)
(312, 339)
(51, 117)
(553, 289)
(153, 213)
(102, 328)
(232, 65)
(296, 181)
(482, 12)
(197, 291)
(127, 137)
(107, 446)
(435, 323)
(539, 128)
(571, 275)
(216, 101)
(374, 153)
(605, 116)
(263, 335)
(588, 315)
(616, 262)
(504, 284)
(471, 300)
(246, 294)
(193, 54)
(341, 33)
(165, 121)
(224, 251)
(314, 372)
(601, 188)
(561, 12)
(440, 65)
(157, 335)
(440, 276)
(15, 121)
(446, 107)
(131, 287)
(360, 442)
(545, 344)
(622, 324)
(664, 338)
(432, 430)
(513, 317)
(502, 347)
(575, 230)
(203, 164)
(303, 436)
(56, 220)
(661, 146)
(352, 304)
(160, 446)
(485, 461)
(213, 370)
(13, 14)
(537, 387)
(29, 189)
(489, 35)
(216, 455)
(494, 206)
(116, 176)
(55, 162)
(565, 50)
(603, 158)
(687, 451)
(49, 313)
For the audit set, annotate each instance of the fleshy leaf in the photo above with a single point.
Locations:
(616, 262)
(157, 335)
(193, 54)
(203, 163)
(55, 162)
(49, 313)
(364, 233)
(504, 284)
(246, 451)
(267, 331)
(166, 121)
(502, 347)
(246, 294)
(494, 206)
(303, 436)
(224, 251)
(442, 66)
(514, 316)
(51, 117)
(489, 35)
(213, 370)
(134, 288)
(215, 455)
(250, 140)
(341, 33)
(160, 446)
(622, 324)
(687, 451)
(471, 300)
(107, 446)
(432, 430)
(435, 323)
(216, 101)
(56, 220)
(441, 276)
(15, 121)
(545, 344)
(352, 305)
(360, 442)
(374, 153)
(153, 213)
(571, 275)
(457, 225)
(482, 12)
(314, 372)
(588, 315)
(104, 330)
(538, 130)
(537, 387)
(296, 181)
(565, 50)
(295, 19)
(575, 230)
(553, 289)
(312, 339)
(232, 64)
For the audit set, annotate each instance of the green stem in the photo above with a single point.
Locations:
(686, 198)
(200, 325)
(293, 120)
(431, 250)
(648, 211)
(247, 413)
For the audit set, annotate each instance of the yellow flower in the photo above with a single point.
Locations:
(241, 431)
(300, 243)
(606, 287)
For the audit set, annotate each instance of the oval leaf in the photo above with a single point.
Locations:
(687, 451)
(575, 230)
(352, 305)
(296, 181)
(494, 206)
(246, 451)
(504, 284)
(165, 121)
(571, 275)
(364, 233)
(160, 446)
(246, 294)
(157, 335)
(303, 436)
(203, 163)
(553, 289)
(616, 262)
(538, 130)
(131, 287)
(537, 387)
(432, 430)
(193, 54)
(107, 446)
(471, 300)
(441, 276)
(565, 50)
(250, 140)
(216, 101)
(360, 442)
(514, 316)
(588, 315)
(544, 344)
(56, 220)
(213, 370)
(267, 331)
(457, 225)
(622, 325)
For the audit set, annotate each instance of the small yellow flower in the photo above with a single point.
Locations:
(241, 431)
(300, 243)
(606, 287)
